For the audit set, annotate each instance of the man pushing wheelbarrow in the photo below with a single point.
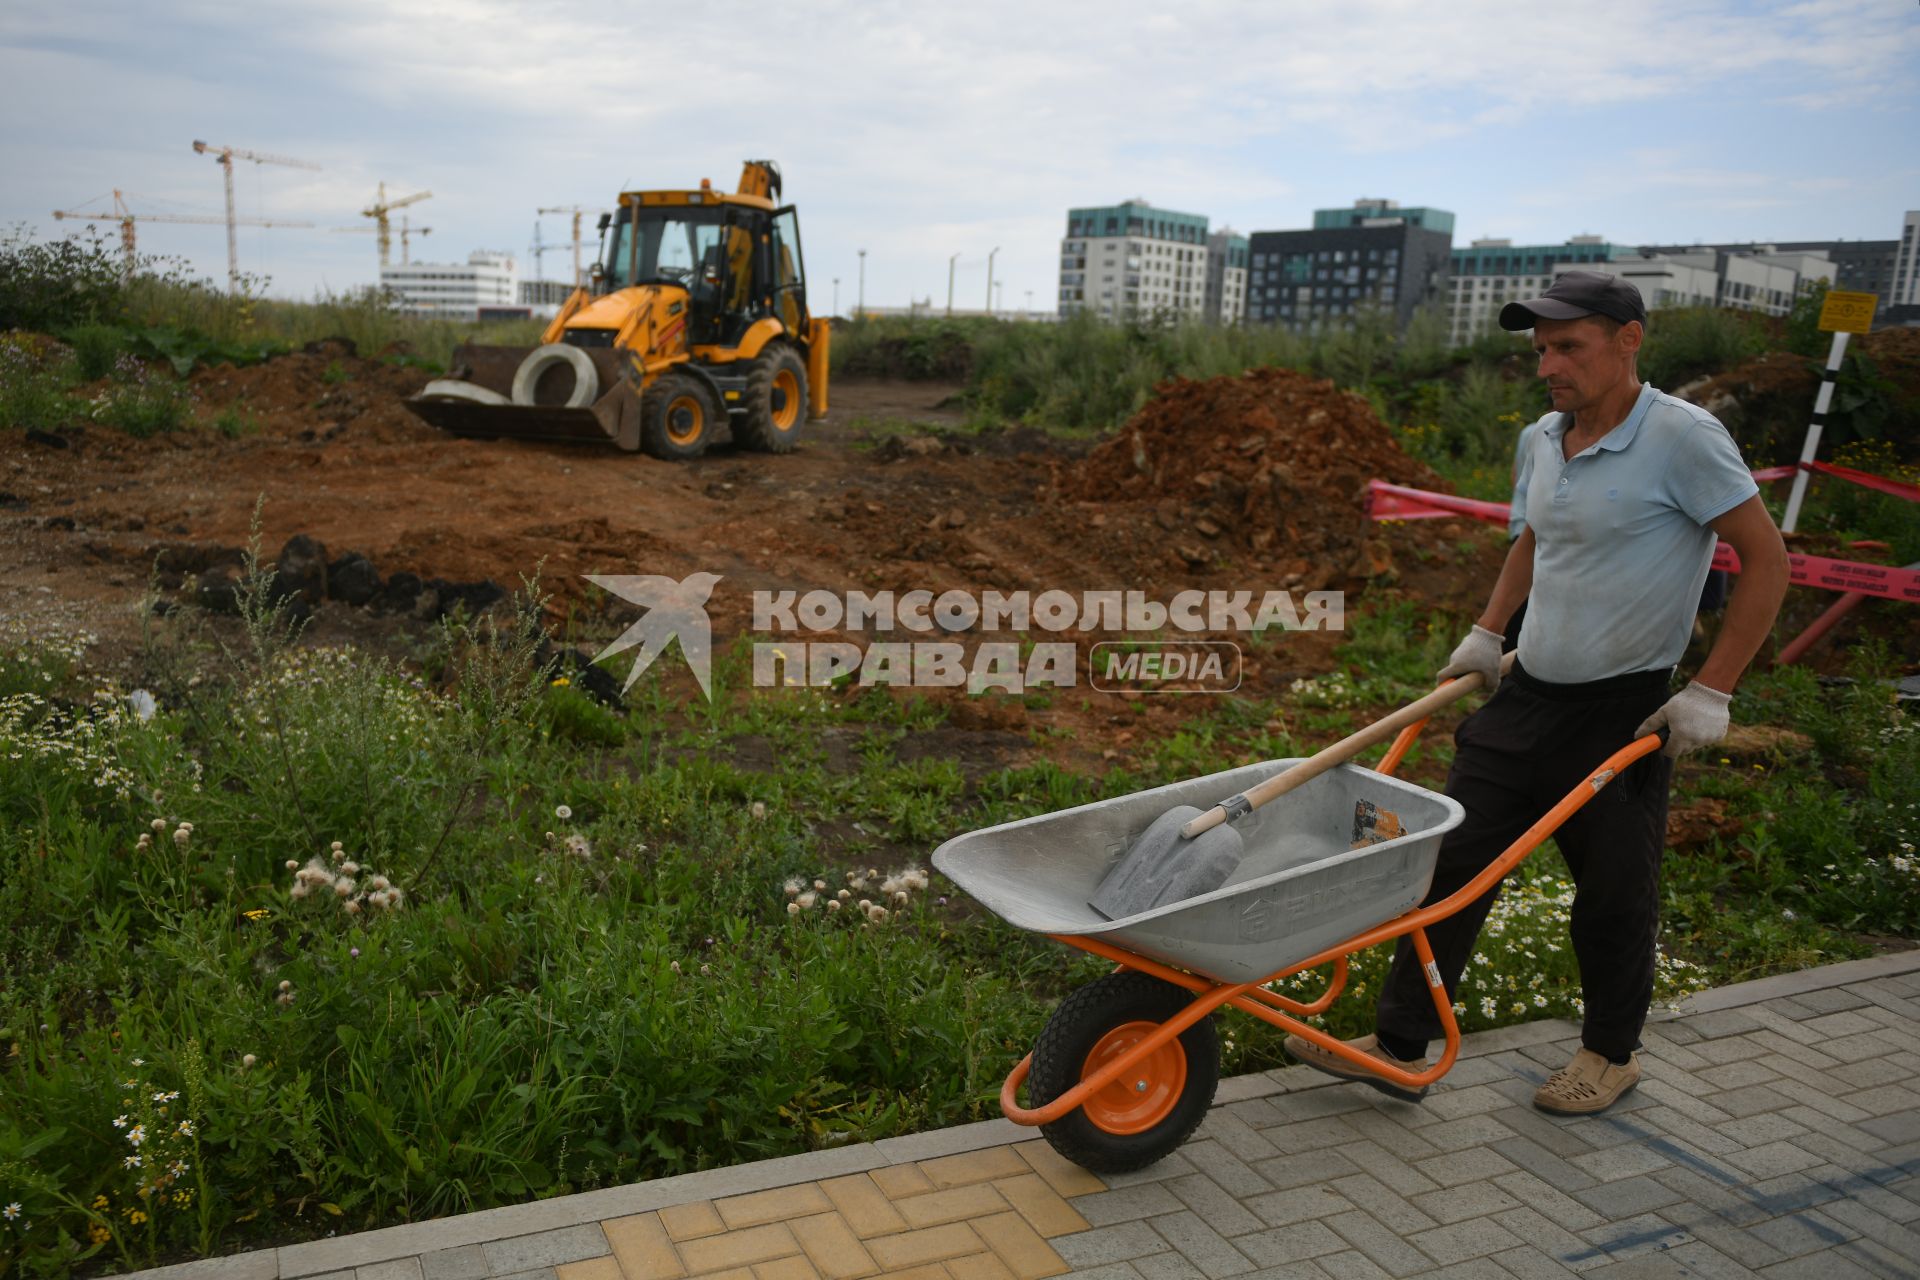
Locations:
(1624, 490)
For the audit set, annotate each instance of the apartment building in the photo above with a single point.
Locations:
(1132, 260)
(454, 291)
(1904, 286)
(1226, 301)
(1374, 254)
(1490, 273)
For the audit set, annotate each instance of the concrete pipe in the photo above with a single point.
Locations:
(450, 389)
(543, 360)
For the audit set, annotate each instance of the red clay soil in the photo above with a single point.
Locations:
(1273, 462)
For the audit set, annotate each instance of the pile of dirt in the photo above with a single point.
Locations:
(1766, 402)
(316, 392)
(1272, 461)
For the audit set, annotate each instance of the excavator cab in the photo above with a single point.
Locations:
(695, 330)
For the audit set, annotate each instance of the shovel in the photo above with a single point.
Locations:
(1188, 852)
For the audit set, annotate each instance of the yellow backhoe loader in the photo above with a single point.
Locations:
(694, 330)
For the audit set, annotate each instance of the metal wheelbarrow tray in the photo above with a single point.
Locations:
(1126, 1068)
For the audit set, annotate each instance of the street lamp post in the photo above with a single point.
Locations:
(950, 261)
(836, 295)
(1029, 302)
(863, 284)
(990, 257)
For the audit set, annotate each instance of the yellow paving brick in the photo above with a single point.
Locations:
(864, 1206)
(1035, 1201)
(691, 1221)
(795, 1268)
(974, 1166)
(739, 1248)
(1020, 1247)
(1062, 1174)
(641, 1245)
(931, 1271)
(933, 1244)
(899, 1180)
(979, 1200)
(782, 1204)
(731, 1273)
(978, 1266)
(607, 1268)
(833, 1247)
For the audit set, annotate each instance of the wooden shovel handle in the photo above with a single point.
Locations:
(1340, 752)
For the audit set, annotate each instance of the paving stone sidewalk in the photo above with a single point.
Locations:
(1776, 1132)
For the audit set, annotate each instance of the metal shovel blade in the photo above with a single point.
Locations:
(1164, 867)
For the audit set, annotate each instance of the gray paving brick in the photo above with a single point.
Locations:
(1891, 1002)
(1685, 1100)
(1128, 1204)
(1692, 1132)
(1544, 1164)
(1794, 1234)
(1696, 1260)
(1843, 1145)
(538, 1273)
(1828, 1264)
(1472, 1200)
(1730, 1050)
(1226, 1168)
(1865, 1047)
(1737, 1243)
(1722, 1076)
(1306, 1270)
(1219, 1210)
(1622, 1161)
(1627, 1197)
(1758, 1130)
(1352, 1265)
(1794, 1050)
(1632, 1237)
(1119, 1243)
(1706, 1199)
(392, 1269)
(1749, 1100)
(1834, 999)
(1674, 1056)
(1469, 1072)
(1886, 1100)
(1471, 1269)
(1462, 1240)
(1164, 1266)
(1385, 1249)
(1472, 1131)
(1819, 1079)
(468, 1262)
(1568, 1251)
(1389, 1167)
(1174, 1166)
(1311, 1135)
(1528, 1263)
(1897, 1129)
(1838, 1026)
(1308, 1167)
(1554, 1205)
(1813, 1099)
(1280, 1245)
(1109, 1271)
(1471, 1164)
(1236, 1136)
(1873, 1071)
(1877, 1258)
(1201, 1245)
(1386, 1205)
(1772, 1159)
(1721, 1023)
(1453, 1104)
(1302, 1204)
(1383, 1125)
(547, 1249)
(1319, 1104)
(1871, 1223)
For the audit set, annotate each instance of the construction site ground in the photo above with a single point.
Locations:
(896, 492)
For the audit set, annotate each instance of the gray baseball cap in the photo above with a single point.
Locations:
(1575, 294)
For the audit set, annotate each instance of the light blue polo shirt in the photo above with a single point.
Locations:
(1621, 544)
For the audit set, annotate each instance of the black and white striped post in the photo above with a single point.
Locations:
(1844, 314)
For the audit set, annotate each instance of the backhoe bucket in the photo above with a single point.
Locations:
(461, 402)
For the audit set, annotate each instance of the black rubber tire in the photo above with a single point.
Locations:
(666, 429)
(768, 407)
(1080, 1022)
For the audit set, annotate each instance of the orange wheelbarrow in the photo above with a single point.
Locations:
(1125, 1069)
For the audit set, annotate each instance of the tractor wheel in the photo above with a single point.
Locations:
(1149, 1110)
(776, 401)
(677, 416)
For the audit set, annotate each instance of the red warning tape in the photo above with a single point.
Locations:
(1398, 502)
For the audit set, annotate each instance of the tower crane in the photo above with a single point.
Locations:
(224, 157)
(379, 210)
(127, 217)
(578, 213)
(406, 233)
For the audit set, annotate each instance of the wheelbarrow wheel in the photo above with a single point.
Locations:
(1148, 1111)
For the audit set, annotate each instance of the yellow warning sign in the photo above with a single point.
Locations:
(1848, 312)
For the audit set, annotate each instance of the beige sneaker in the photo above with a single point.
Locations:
(1587, 1085)
(1324, 1060)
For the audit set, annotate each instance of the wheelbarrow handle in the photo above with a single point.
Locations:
(1339, 753)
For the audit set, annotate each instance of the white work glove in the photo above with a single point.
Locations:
(1693, 717)
(1480, 651)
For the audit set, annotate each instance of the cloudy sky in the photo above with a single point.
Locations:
(917, 130)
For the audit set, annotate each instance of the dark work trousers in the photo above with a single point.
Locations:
(1515, 758)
